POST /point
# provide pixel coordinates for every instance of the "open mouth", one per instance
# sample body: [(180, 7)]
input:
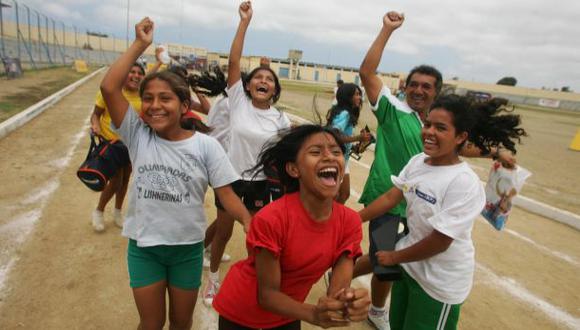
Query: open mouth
[(329, 176), (263, 90), (429, 140)]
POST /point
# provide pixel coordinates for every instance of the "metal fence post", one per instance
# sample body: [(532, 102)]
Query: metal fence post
[(2, 47), (17, 27)]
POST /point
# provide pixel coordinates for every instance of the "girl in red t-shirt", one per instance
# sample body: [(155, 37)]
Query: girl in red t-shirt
[(294, 240)]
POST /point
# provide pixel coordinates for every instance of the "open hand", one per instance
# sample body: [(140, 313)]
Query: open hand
[(144, 31), (246, 11), (158, 51), (393, 20)]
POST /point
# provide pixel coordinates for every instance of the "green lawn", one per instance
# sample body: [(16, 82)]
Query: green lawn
[(35, 85)]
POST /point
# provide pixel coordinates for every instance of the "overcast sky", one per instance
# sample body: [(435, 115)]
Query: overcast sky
[(536, 41)]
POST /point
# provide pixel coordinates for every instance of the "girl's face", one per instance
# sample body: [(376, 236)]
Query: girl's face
[(134, 78), (440, 139), (161, 108), (357, 99), (319, 166), (262, 87)]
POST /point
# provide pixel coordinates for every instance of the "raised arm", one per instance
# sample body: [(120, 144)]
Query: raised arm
[(234, 71), (112, 84), (370, 80), (158, 62)]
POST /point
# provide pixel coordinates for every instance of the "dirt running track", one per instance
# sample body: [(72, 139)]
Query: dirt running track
[(56, 273)]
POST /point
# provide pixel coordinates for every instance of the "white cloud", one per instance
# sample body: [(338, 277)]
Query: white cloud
[(534, 40)]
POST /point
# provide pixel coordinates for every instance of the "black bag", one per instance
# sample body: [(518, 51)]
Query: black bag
[(103, 160)]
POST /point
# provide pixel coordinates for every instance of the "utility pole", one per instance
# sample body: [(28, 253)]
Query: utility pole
[(127, 39)]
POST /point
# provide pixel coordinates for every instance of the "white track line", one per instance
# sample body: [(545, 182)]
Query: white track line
[(24, 223), (557, 254), (516, 290)]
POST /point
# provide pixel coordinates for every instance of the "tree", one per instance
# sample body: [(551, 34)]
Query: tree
[(566, 89), (508, 81)]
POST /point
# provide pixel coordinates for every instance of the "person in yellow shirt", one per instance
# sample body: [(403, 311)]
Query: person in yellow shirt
[(101, 125)]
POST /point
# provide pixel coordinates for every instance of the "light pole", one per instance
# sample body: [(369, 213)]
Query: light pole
[(127, 39)]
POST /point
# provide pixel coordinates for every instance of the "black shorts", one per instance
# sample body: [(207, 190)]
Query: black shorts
[(254, 194), (225, 324), (377, 222)]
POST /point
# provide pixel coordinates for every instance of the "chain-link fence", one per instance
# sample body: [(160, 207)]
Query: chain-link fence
[(35, 40)]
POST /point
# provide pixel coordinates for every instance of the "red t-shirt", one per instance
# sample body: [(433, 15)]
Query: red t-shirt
[(305, 248)]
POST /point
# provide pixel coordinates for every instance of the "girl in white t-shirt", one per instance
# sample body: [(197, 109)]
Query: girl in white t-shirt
[(172, 167), (253, 122), (444, 197)]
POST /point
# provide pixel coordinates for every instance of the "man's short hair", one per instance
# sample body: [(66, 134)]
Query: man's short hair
[(428, 71)]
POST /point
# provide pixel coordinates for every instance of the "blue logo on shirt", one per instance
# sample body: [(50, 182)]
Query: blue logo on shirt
[(424, 196)]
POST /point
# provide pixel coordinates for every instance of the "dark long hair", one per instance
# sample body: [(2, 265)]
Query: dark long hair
[(344, 96), (211, 83), (178, 84), (276, 154), (483, 123)]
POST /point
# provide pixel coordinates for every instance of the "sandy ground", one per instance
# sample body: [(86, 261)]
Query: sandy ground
[(56, 273)]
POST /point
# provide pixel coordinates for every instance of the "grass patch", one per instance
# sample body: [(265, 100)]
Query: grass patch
[(305, 87), (33, 87), (537, 108)]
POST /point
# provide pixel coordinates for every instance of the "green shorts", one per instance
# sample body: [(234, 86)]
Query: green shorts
[(180, 265), (413, 309)]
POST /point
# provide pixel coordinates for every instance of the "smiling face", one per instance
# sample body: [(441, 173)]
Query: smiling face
[(440, 138), (261, 87), (421, 92), (134, 78), (319, 166), (161, 108)]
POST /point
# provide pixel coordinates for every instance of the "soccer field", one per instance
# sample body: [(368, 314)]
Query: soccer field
[(56, 273)]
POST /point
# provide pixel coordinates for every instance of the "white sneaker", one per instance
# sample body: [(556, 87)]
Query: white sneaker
[(207, 257), (98, 221), (379, 322), (211, 290), (118, 218)]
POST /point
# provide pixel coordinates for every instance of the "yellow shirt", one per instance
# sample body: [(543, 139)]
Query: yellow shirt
[(105, 120)]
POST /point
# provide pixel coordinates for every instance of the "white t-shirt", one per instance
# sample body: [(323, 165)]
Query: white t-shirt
[(170, 179), (218, 119), (447, 199), (250, 129)]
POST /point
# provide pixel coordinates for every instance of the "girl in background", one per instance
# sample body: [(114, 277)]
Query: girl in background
[(444, 197), (294, 240), (101, 126), (344, 117), (253, 122), (173, 166)]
